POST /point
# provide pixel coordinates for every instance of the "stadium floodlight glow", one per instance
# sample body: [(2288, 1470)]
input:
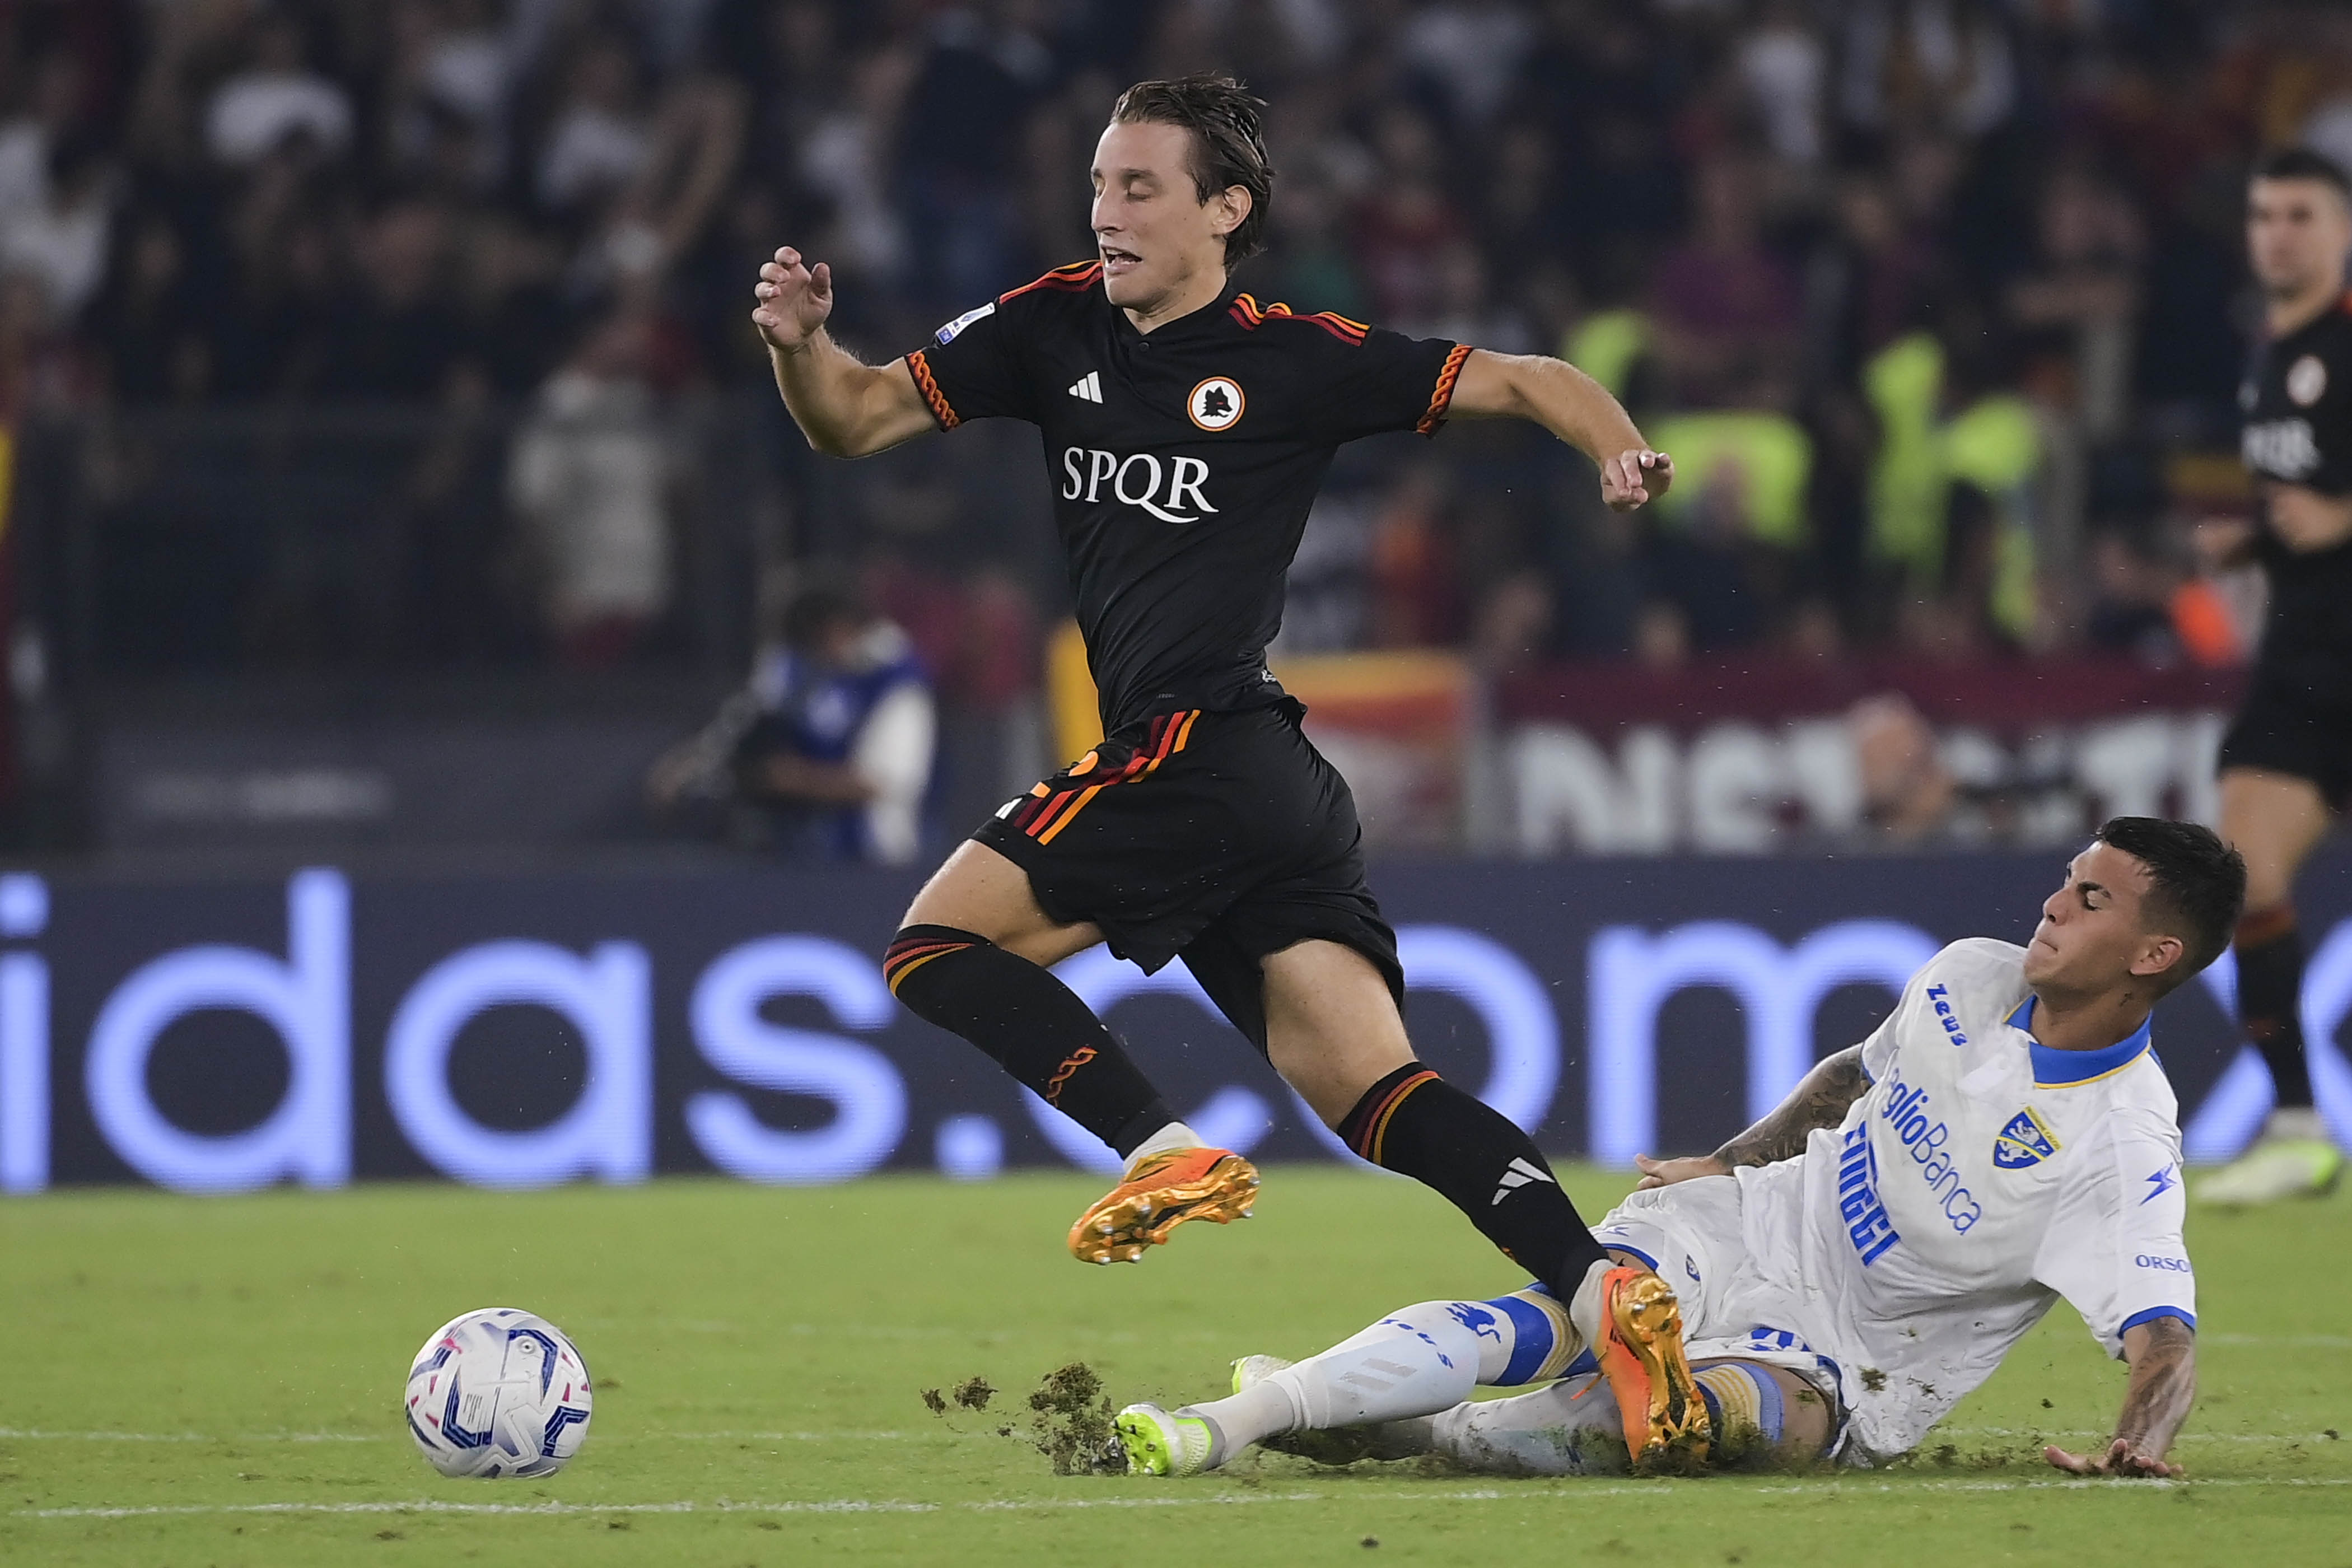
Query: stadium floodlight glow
[(1630, 973), (868, 1097), (607, 996), (305, 996)]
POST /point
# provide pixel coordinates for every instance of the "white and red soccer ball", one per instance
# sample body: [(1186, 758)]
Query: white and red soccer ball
[(497, 1391)]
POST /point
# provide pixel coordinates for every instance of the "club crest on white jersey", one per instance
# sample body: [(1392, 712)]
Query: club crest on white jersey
[(2025, 1140)]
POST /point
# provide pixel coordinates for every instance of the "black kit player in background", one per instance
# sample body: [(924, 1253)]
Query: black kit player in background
[(1186, 430), (2286, 761)]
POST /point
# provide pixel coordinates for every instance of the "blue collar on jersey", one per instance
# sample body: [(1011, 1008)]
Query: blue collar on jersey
[(2054, 1068)]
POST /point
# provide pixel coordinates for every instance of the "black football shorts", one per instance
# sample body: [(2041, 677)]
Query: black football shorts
[(1217, 837), (2280, 729)]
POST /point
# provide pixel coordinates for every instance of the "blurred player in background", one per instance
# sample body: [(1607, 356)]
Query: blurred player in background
[(1858, 1261), (2286, 761), (1187, 428)]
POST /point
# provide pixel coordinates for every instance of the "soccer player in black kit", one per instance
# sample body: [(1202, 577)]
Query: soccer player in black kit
[(2286, 761), (1186, 429)]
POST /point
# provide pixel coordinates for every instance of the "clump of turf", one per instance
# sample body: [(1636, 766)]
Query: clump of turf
[(1070, 1422), (973, 1393)]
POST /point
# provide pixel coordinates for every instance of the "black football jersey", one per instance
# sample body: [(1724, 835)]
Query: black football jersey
[(2297, 399), (1183, 462)]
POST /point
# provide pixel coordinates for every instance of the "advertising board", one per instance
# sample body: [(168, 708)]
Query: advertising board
[(529, 1029)]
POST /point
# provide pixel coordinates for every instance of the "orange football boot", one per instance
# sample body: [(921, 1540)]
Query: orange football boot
[(1641, 1360), (1159, 1194)]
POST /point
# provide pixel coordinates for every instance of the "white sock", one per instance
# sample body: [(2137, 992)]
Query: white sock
[(2298, 1121), (1416, 1361), (1167, 1140), (1584, 1307), (1570, 1429)]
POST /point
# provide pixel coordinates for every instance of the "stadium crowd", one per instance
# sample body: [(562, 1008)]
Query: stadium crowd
[(1929, 297)]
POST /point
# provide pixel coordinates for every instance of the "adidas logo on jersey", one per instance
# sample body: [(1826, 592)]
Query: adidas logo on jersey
[(1519, 1175), (1089, 387)]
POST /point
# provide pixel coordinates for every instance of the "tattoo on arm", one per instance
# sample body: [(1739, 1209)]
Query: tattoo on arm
[(2163, 1384), (1821, 1101)]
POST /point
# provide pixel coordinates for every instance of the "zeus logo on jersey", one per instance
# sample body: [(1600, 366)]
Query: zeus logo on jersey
[(1136, 481), (2026, 1140), (2283, 447), (1945, 1016), (1905, 1112)]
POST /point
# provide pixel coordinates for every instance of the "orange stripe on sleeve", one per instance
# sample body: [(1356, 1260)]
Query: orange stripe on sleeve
[(1442, 397), (928, 385)]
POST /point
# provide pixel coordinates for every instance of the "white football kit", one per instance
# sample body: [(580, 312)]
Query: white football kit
[(1981, 1177)]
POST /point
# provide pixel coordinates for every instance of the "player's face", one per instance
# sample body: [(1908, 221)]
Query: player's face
[(1157, 238), (2298, 235), (2090, 936)]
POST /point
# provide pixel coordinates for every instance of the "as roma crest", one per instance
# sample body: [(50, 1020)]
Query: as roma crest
[(1216, 404)]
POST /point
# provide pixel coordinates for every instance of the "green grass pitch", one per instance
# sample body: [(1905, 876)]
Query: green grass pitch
[(193, 1381)]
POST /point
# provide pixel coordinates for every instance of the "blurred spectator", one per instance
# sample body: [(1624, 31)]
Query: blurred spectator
[(598, 139), (60, 237), (1472, 49), (51, 110), (826, 752), (590, 477), (403, 336), (1907, 791), (1727, 306), (1785, 67), (1405, 224), (2132, 608), (276, 98), (2084, 291)]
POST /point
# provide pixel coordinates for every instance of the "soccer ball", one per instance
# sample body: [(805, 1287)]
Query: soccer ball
[(497, 1391)]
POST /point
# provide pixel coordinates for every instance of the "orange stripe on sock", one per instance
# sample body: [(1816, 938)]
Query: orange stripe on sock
[(898, 957), (898, 976), (1389, 1109)]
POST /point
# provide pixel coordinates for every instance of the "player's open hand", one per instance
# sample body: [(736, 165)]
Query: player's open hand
[(794, 299), (1666, 1173), (1630, 478), (2119, 1460)]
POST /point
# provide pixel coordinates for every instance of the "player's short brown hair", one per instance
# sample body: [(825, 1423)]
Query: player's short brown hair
[(2196, 885), (1228, 144)]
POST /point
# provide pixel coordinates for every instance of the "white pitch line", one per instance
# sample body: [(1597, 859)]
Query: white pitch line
[(1576, 1493)]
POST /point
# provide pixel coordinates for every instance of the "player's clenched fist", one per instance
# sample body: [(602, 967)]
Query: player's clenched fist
[(794, 301), (1629, 478)]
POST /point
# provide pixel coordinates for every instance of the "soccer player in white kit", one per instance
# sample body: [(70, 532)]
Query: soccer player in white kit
[(1850, 1267)]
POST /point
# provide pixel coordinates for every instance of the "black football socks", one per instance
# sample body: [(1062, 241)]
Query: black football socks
[(2270, 991), (1417, 1124), (1033, 1024)]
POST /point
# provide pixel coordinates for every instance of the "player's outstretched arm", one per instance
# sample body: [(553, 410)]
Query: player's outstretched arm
[(1572, 407), (845, 408), (1819, 1100), (2163, 1356)]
